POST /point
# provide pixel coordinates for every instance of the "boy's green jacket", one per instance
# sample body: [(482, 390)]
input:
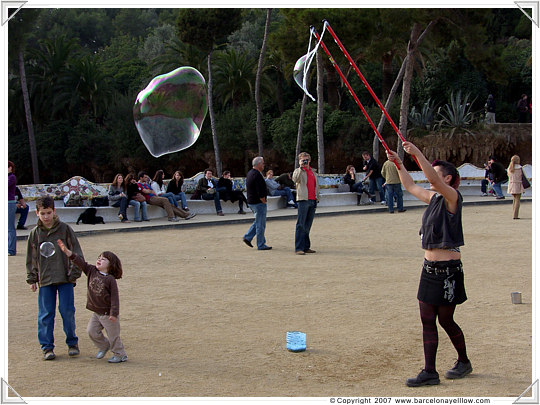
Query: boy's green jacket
[(56, 269)]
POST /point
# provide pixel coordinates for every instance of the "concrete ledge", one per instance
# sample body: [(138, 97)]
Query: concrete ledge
[(110, 214), (330, 197)]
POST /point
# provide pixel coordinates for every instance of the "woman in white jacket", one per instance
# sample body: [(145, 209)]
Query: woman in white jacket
[(160, 189)]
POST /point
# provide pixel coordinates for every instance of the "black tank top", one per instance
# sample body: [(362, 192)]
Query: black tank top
[(440, 228)]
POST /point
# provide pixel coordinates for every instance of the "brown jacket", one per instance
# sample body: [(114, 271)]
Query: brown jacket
[(102, 297)]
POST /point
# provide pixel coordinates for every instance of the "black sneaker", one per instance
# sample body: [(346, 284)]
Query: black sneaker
[(459, 370), (424, 378), (74, 350)]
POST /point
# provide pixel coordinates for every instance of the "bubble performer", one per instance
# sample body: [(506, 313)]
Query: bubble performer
[(442, 285)]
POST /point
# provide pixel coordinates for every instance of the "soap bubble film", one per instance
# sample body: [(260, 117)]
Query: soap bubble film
[(301, 69), (46, 249), (170, 111)]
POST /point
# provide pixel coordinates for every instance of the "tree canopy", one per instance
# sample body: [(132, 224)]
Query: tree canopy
[(85, 68)]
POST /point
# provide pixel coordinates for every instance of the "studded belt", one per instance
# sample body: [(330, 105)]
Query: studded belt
[(442, 270)]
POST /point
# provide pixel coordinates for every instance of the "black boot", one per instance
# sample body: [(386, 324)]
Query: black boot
[(424, 378)]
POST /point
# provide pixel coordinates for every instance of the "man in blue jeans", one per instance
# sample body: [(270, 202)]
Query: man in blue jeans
[(373, 174), (499, 176), (256, 198), (307, 196)]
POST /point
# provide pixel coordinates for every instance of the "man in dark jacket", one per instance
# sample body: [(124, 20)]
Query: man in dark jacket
[(499, 176), (256, 198)]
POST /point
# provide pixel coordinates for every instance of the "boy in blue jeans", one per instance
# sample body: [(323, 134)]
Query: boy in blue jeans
[(55, 274)]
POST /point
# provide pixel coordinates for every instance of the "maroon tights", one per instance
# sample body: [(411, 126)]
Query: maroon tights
[(429, 314)]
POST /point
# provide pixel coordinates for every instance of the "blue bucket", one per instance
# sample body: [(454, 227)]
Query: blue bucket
[(296, 341)]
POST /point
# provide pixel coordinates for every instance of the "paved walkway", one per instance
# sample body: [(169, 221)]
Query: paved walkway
[(286, 213)]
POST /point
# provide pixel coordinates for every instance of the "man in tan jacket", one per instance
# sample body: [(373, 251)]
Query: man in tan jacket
[(307, 196)]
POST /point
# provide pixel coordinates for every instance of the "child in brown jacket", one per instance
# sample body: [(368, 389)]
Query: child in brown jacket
[(103, 300)]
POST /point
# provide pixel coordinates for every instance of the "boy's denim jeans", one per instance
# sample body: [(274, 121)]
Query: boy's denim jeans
[(47, 312)]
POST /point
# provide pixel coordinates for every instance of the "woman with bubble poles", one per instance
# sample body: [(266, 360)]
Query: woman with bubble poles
[(54, 274), (441, 283)]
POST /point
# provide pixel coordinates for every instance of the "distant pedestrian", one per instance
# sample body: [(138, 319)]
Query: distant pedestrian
[(12, 209), (523, 108), (256, 198), (392, 186), (515, 186), (490, 110), (499, 177), (373, 174)]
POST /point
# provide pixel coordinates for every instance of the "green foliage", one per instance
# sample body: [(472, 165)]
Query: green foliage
[(456, 114), (207, 27), (87, 147), (120, 61), (85, 67), (234, 76), (350, 130), (423, 118)]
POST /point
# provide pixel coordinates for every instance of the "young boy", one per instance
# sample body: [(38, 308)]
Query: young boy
[(48, 267)]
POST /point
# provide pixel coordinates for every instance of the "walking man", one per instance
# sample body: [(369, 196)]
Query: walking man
[(256, 198)]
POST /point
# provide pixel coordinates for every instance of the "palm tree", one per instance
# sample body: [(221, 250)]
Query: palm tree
[(90, 86), (178, 53), (235, 76), (51, 91), (19, 28)]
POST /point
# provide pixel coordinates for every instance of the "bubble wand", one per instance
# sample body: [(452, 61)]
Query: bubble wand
[(368, 87), (351, 91)]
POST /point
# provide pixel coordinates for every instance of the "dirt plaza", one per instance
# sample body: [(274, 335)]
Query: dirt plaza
[(203, 315)]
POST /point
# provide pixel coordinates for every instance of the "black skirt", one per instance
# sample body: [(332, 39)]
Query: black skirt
[(442, 287)]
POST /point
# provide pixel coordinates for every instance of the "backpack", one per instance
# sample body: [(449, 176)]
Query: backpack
[(100, 201), (73, 200)]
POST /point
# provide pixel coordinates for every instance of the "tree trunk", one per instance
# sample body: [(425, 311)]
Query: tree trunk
[(387, 74), (30, 126), (212, 117), (320, 112), (406, 91), (300, 129), (258, 83), (393, 93), (332, 87)]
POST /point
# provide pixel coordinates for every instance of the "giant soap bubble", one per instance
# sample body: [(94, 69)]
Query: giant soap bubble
[(170, 111), (301, 69)]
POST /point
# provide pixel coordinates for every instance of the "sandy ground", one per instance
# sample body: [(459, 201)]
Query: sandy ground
[(211, 314)]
